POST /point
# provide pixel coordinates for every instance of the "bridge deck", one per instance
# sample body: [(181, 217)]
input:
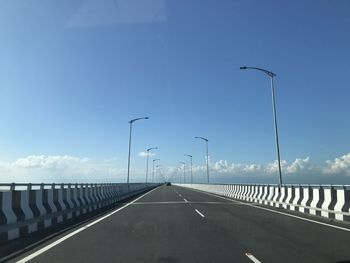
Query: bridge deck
[(173, 224)]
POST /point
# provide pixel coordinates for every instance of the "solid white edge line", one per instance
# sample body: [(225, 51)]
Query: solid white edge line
[(42, 250), (199, 213), (277, 212), (252, 258)]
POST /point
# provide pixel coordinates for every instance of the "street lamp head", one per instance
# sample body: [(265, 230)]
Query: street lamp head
[(143, 118), (156, 160), (271, 74), (267, 72), (188, 155), (152, 148), (205, 139)]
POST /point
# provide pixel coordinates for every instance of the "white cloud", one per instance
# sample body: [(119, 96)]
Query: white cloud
[(56, 168), (300, 165), (340, 165), (45, 161), (65, 168), (144, 154), (220, 166), (224, 167), (272, 168), (252, 168)]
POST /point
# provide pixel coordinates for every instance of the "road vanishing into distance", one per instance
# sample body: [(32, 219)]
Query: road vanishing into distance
[(174, 224)]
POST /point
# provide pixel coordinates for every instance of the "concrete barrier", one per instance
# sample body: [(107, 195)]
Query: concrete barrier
[(330, 201), (28, 210)]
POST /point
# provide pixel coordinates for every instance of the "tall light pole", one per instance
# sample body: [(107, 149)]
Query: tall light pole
[(184, 166), (147, 151), (131, 122), (206, 143), (191, 167), (272, 75), (154, 160)]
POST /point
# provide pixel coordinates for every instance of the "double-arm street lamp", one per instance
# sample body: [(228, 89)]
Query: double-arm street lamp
[(154, 160), (131, 122), (272, 75), (147, 152), (206, 143), (191, 166)]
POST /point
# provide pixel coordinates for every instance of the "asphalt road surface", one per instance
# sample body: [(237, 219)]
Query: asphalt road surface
[(174, 224)]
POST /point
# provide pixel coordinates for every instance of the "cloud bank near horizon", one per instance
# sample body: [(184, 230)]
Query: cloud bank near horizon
[(65, 168)]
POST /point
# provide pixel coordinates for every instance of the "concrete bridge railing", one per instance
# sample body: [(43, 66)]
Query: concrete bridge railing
[(28, 208), (321, 200)]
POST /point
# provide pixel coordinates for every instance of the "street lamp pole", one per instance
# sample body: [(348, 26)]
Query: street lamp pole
[(191, 167), (131, 122), (206, 143), (147, 152), (272, 75), (153, 169)]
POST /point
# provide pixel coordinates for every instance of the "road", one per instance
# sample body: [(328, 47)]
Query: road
[(174, 224)]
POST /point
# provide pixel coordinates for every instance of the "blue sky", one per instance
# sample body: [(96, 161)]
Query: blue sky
[(73, 73)]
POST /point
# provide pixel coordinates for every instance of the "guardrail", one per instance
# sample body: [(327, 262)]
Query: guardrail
[(28, 208), (35, 186), (330, 201)]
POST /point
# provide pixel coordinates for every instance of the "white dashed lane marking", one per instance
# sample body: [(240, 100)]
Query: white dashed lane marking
[(252, 258), (199, 213), (277, 212)]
